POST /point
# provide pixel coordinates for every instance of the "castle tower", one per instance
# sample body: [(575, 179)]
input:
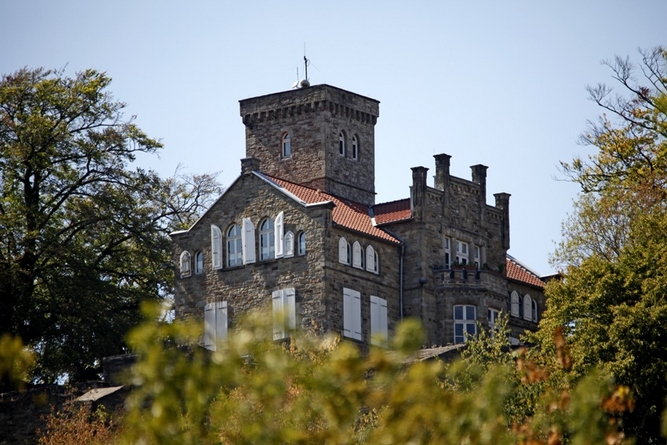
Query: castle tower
[(319, 136)]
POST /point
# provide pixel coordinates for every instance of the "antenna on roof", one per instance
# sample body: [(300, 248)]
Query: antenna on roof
[(305, 82)]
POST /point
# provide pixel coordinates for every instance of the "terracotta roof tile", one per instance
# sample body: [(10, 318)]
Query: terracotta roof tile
[(518, 272), (392, 211), (351, 215)]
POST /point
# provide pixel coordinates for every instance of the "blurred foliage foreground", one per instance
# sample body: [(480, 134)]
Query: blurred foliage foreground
[(252, 390)]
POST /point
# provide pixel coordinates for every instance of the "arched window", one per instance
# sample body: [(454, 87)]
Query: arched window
[(302, 243), (372, 264), (357, 256), (527, 307), (355, 147), (286, 145), (535, 310), (515, 308), (234, 246), (341, 143), (216, 247), (185, 264), (343, 251), (199, 262), (289, 244), (267, 240)]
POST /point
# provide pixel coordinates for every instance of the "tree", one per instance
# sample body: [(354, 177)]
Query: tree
[(610, 302), (82, 236)]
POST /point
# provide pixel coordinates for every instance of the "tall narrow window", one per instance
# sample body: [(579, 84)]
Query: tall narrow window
[(267, 240), (343, 251), (355, 147), (371, 260), (234, 246), (286, 145), (351, 314), (448, 252), (465, 317), (515, 304), (379, 331), (248, 241), (215, 324), (185, 264), (284, 312), (534, 310), (527, 308), (341, 143), (199, 262), (216, 247), (493, 316), (302, 243), (289, 244), (477, 255), (461, 252), (279, 235), (356, 255)]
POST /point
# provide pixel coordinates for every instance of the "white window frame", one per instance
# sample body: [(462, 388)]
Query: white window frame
[(357, 260), (279, 235), (355, 147), (289, 244), (216, 247), (199, 262), (527, 307), (267, 240), (283, 302), (352, 314), (477, 256), (185, 264), (468, 324), (248, 241), (379, 326), (215, 324), (448, 252), (235, 246), (341, 143), (286, 145), (462, 252), (301, 243), (515, 304), (372, 263), (343, 251)]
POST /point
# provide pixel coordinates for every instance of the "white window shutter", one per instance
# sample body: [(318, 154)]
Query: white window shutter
[(216, 247), (289, 305), (248, 241), (527, 308), (209, 326), (289, 244), (379, 331), (185, 264), (351, 314), (278, 315), (342, 250), (515, 304), (356, 254), (279, 235), (370, 259), (221, 321)]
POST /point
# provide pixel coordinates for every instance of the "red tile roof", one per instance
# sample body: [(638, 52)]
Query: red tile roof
[(392, 211), (518, 272), (351, 215)]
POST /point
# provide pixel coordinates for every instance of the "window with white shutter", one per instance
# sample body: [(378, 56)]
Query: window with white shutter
[(289, 244), (527, 308), (216, 247), (379, 329), (248, 240), (343, 251), (234, 246), (185, 264), (351, 314), (515, 301), (372, 264), (215, 324), (279, 235), (284, 312), (356, 255)]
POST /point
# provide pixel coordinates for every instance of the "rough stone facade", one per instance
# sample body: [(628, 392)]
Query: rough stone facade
[(326, 195)]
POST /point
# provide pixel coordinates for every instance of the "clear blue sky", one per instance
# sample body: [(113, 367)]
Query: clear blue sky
[(499, 83)]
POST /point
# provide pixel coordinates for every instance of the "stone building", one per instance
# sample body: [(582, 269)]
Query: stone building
[(299, 231)]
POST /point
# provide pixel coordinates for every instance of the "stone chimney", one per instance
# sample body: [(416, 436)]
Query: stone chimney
[(249, 165), (442, 171), (503, 203), (418, 192)]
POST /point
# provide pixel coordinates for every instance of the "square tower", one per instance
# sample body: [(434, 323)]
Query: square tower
[(318, 136)]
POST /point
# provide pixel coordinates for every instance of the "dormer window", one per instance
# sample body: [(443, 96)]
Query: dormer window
[(355, 147), (286, 145), (341, 143)]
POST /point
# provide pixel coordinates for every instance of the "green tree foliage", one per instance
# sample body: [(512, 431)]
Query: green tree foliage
[(611, 300), (82, 236), (253, 390)]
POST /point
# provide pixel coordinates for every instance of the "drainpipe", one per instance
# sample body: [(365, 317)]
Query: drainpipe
[(400, 280)]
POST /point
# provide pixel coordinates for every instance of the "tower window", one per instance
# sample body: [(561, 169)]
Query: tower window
[(465, 322), (355, 147), (341, 143), (286, 145)]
